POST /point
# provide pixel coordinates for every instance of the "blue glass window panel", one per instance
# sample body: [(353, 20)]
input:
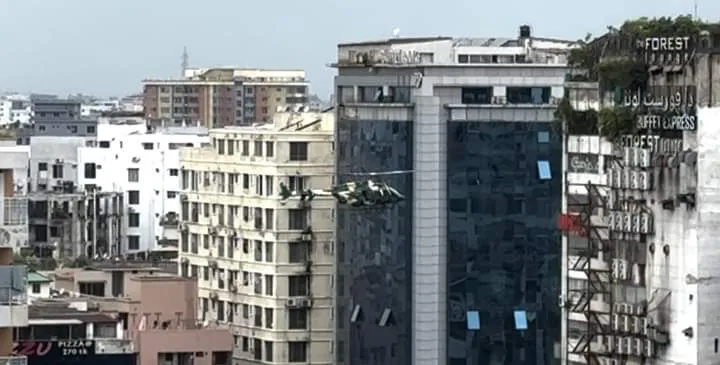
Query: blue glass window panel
[(544, 170), (473, 320), (521, 320), (543, 137)]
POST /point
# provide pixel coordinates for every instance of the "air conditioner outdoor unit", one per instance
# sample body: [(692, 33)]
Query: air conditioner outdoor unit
[(627, 324), (643, 157), (618, 307), (635, 226), (637, 347), (643, 325), (616, 320), (292, 303), (627, 344), (629, 156), (649, 348), (646, 222), (622, 274), (627, 222)]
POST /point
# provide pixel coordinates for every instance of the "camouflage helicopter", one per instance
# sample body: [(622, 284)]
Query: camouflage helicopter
[(365, 193)]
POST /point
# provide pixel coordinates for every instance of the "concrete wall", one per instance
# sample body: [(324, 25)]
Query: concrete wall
[(50, 149)]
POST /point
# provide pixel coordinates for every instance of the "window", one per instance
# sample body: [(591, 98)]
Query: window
[(297, 351), (134, 197), (463, 58), (258, 149), (269, 149), (245, 148), (36, 289), (147, 146), (90, 129), (297, 318), (104, 144), (134, 220), (245, 344), (297, 285), (543, 137), (133, 175), (258, 312), (42, 166), (297, 219), (544, 170), (220, 146), (57, 171), (473, 320), (296, 183), (257, 349), (298, 252), (133, 242), (528, 95), (477, 95), (268, 351), (172, 194), (269, 251), (298, 151), (173, 172), (90, 170), (269, 283), (269, 317), (246, 181), (269, 218)]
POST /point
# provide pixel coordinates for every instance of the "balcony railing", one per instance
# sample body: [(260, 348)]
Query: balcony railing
[(13, 211), (13, 285), (13, 360)]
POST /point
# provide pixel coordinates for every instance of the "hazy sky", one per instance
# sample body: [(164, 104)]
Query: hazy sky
[(106, 47)]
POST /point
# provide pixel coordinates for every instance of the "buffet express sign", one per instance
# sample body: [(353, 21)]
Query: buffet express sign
[(663, 108)]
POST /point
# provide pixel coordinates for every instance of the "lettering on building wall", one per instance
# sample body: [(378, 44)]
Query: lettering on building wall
[(583, 163), (663, 108), (653, 143), (666, 51), (385, 57)]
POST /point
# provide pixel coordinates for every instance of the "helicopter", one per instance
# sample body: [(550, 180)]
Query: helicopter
[(364, 193)]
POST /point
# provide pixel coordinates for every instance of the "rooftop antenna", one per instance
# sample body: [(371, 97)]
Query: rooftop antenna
[(185, 61), (396, 33), (695, 9)]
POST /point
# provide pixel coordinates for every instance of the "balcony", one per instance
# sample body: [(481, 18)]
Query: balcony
[(13, 211), (13, 296), (13, 360), (169, 220)]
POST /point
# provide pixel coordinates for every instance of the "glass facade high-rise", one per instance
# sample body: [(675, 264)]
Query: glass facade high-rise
[(503, 251), (373, 246), (466, 271)]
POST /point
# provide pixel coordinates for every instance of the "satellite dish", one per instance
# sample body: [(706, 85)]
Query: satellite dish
[(396, 32)]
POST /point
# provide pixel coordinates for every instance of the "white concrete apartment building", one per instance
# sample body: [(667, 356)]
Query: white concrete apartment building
[(15, 109), (144, 165), (264, 268)]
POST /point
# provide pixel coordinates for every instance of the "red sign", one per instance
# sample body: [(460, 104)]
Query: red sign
[(571, 223), (32, 348)]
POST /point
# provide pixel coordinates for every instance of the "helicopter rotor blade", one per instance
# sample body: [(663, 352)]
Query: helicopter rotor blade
[(382, 173)]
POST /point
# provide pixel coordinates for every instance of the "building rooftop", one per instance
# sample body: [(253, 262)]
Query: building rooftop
[(52, 309), (37, 278)]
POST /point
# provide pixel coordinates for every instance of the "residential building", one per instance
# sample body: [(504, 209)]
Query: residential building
[(467, 269), (219, 97), (63, 222), (143, 164), (641, 231), (264, 267), (15, 110), (157, 311), (14, 212), (60, 331), (38, 285), (13, 300)]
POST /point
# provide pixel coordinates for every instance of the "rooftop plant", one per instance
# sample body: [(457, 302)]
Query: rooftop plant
[(619, 72)]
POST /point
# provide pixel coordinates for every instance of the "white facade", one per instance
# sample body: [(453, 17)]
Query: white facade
[(15, 111), (145, 166), (264, 268)]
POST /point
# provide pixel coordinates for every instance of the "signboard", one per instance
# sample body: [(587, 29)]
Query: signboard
[(653, 143), (54, 348), (667, 51), (384, 57), (663, 108), (583, 163)]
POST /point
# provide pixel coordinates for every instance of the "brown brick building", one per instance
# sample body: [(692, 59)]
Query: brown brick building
[(219, 97)]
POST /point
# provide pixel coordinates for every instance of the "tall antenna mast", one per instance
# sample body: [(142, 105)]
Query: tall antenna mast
[(185, 61), (695, 9)]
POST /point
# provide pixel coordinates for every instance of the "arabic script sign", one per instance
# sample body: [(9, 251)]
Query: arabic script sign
[(663, 108), (583, 163)]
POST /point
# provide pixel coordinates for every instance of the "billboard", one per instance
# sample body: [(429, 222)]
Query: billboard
[(70, 352)]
